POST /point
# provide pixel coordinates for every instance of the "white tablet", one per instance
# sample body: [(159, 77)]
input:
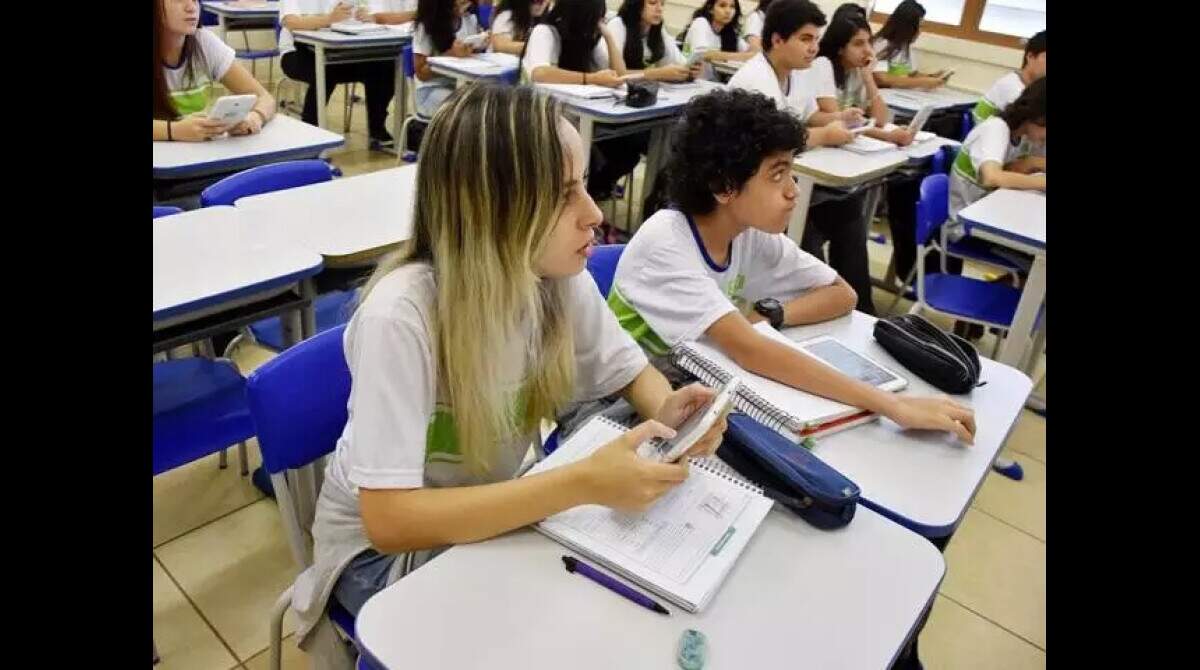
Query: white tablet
[(836, 355), (669, 451), (919, 119), (231, 109)]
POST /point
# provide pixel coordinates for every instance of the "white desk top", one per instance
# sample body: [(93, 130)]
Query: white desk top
[(208, 256), (913, 99), (340, 219), (395, 34), (923, 150), (1011, 214), (479, 66), (927, 478), (797, 597), (284, 138), (243, 9), (831, 166), (671, 99)]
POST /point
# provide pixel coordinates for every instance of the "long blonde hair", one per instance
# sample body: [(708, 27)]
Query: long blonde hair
[(490, 184)]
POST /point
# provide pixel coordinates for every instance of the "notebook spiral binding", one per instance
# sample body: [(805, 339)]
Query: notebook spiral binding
[(717, 467), (749, 402)]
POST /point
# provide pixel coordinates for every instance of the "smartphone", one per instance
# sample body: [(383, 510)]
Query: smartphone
[(947, 74), (670, 451), (231, 109)]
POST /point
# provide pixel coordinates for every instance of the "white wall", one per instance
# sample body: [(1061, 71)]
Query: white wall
[(976, 65)]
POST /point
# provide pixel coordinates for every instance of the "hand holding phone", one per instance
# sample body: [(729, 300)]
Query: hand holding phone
[(694, 428)]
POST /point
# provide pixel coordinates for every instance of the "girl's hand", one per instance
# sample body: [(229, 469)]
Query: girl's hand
[(935, 414), (851, 116), (901, 136), (607, 78), (341, 12), (672, 73), (460, 49), (930, 82), (196, 129), (684, 402), (615, 476), (363, 14), (250, 125)]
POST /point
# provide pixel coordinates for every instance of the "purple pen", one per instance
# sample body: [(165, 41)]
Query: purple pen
[(577, 566)]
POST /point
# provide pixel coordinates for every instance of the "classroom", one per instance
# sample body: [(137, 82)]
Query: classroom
[(750, 362)]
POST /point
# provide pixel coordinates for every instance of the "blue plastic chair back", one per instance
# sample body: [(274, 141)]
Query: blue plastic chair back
[(265, 179), (485, 16), (199, 408), (165, 210), (410, 68), (298, 401), (933, 207), (603, 265), (968, 122), (207, 18)]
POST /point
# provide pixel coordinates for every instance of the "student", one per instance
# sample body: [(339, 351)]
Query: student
[(781, 72), (483, 325), (1007, 88), (638, 32), (442, 25), (510, 28), (999, 153), (299, 63), (573, 45), (754, 25), (714, 34), (896, 66), (187, 62), (844, 68), (789, 41), (719, 261)]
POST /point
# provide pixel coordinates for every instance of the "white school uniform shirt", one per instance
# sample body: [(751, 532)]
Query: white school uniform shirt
[(754, 24), (700, 38), (400, 435), (852, 93), (671, 53), (212, 60), (990, 141), (668, 290), (287, 42), (901, 63), (757, 75), (544, 47), (1002, 94), (422, 43)]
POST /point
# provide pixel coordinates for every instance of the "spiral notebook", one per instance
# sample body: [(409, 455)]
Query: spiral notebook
[(683, 546), (788, 411)]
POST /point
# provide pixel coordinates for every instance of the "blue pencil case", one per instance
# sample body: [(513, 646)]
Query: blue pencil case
[(788, 473)]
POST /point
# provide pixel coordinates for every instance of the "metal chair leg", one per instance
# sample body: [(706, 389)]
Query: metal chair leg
[(242, 458), (629, 203), (223, 462), (907, 282)]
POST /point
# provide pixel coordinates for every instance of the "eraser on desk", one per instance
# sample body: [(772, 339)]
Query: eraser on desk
[(693, 650)]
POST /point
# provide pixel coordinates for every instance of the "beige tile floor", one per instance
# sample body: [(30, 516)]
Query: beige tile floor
[(220, 558)]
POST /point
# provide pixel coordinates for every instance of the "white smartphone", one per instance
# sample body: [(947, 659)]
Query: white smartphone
[(919, 119), (947, 74), (475, 41), (231, 109), (669, 451)]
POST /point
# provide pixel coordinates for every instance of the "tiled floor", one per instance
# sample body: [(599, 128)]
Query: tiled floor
[(220, 558)]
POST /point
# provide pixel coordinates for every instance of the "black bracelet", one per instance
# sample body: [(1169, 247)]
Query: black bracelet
[(169, 138)]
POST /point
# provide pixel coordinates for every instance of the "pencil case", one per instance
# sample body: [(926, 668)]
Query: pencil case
[(788, 473), (943, 359)]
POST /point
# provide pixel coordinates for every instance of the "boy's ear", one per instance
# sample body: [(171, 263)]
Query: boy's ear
[(724, 198)]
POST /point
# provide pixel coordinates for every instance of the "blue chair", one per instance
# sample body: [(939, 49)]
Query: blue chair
[(485, 16), (255, 55), (199, 409), (968, 122), (165, 210), (332, 309), (966, 299), (407, 153), (265, 179), (969, 247), (603, 265), (298, 403)]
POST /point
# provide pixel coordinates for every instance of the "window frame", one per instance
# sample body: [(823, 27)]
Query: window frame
[(967, 28)]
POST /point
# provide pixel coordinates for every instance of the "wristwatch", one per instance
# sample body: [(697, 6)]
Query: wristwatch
[(772, 309)]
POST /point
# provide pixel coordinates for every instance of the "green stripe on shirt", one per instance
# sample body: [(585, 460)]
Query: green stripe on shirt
[(984, 110), (635, 325)]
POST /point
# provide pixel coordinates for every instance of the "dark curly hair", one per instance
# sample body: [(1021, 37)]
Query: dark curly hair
[(749, 127), (1029, 106)]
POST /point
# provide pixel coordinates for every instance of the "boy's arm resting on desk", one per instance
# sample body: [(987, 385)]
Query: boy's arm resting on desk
[(1027, 165), (991, 175), (816, 305), (394, 18), (886, 80), (294, 22), (401, 520), (765, 357)]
